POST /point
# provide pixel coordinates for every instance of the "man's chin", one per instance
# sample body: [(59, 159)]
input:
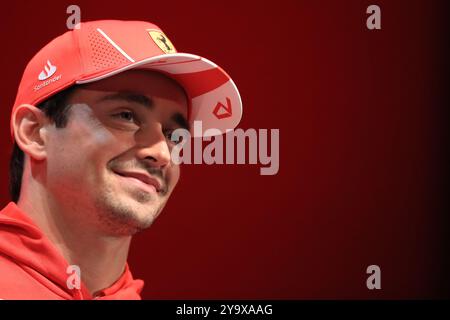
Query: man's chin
[(127, 217)]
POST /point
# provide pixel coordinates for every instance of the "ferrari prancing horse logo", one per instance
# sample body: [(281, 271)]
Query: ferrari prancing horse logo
[(162, 41)]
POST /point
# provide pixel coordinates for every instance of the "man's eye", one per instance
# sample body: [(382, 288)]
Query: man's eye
[(126, 115), (168, 134)]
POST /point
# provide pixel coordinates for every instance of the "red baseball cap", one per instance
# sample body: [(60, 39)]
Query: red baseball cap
[(97, 50)]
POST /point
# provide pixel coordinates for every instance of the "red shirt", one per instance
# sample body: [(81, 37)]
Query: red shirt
[(32, 268)]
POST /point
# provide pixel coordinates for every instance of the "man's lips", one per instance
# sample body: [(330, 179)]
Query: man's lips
[(141, 176)]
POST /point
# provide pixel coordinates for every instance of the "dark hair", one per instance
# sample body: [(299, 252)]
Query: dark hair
[(57, 110)]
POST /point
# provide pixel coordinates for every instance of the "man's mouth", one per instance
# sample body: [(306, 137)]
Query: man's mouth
[(141, 179)]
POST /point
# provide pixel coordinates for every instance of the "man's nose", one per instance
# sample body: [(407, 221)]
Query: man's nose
[(153, 146)]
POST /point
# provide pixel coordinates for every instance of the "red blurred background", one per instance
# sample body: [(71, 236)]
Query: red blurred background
[(362, 170)]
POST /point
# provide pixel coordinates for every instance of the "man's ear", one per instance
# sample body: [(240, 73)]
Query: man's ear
[(29, 131)]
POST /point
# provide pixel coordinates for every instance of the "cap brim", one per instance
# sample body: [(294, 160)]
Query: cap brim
[(214, 98)]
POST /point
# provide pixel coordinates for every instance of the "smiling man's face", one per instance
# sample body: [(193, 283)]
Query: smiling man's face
[(112, 161)]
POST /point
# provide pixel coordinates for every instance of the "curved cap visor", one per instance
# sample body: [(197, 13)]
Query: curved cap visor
[(214, 98)]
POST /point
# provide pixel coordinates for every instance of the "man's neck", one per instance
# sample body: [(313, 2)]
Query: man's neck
[(101, 259)]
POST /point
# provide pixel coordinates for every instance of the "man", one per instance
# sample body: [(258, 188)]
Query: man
[(91, 164)]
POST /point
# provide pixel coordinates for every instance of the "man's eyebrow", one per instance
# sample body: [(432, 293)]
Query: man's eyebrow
[(129, 97), (179, 119)]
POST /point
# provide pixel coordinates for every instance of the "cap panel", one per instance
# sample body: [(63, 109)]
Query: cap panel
[(53, 68), (134, 38), (98, 54), (56, 66)]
